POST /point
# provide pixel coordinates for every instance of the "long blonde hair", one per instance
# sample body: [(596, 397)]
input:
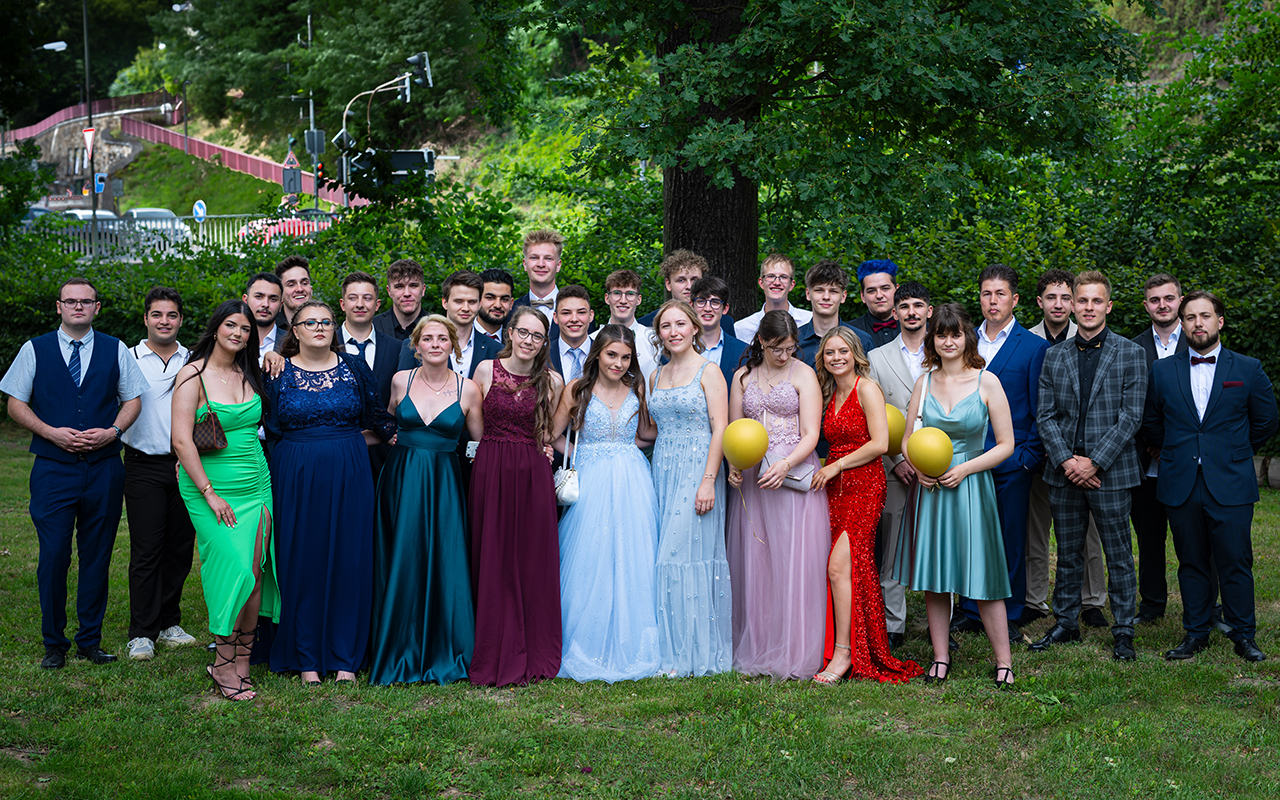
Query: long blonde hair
[(686, 309), (861, 366)]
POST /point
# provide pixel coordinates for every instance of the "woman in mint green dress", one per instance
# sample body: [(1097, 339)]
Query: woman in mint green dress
[(228, 491), (957, 545)]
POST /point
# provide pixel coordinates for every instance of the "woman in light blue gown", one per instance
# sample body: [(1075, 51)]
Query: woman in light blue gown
[(609, 537)]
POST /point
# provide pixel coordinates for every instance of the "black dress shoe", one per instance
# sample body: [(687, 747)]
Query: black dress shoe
[(1030, 615), (54, 658), (952, 644), (1148, 618), (1188, 647), (1015, 633), (1215, 618), (1248, 650), (895, 640), (1094, 618), (1058, 634), (962, 624), (95, 655), (1123, 649)]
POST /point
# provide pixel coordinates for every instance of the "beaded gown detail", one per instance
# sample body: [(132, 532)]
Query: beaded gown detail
[(324, 512), (777, 550), (694, 596), (957, 546), (424, 619), (856, 499), (608, 551), (515, 554)]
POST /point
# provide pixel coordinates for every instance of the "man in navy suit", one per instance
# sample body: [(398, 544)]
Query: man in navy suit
[(826, 286), (710, 297), (680, 270), (359, 302), (460, 295), (571, 340), (1015, 355), (1207, 413)]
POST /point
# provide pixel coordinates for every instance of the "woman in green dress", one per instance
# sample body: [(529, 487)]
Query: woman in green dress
[(228, 491)]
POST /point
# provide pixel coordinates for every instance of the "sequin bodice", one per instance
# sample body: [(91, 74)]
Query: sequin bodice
[(681, 415), (778, 409), (509, 407), (846, 428), (606, 433)]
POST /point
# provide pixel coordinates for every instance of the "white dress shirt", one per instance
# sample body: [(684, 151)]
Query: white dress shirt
[(1166, 350), (567, 360), (462, 366), (745, 329), (915, 361), (267, 344), (369, 350), (987, 348), (551, 298), (152, 431), (1202, 380)]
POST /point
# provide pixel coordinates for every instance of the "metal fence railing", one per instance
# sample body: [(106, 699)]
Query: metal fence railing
[(130, 239)]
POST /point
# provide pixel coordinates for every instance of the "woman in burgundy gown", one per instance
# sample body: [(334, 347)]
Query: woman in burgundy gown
[(515, 545), (858, 431)]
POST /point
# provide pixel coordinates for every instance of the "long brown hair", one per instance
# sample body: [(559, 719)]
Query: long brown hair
[(775, 326), (861, 366), (290, 346), (952, 319), (540, 377), (609, 334)]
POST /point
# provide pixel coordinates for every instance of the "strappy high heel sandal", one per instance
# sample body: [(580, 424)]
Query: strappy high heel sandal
[(243, 648), (234, 693), (1001, 683), (932, 677), (827, 678)]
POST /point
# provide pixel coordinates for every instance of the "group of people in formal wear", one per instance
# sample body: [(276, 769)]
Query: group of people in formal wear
[(376, 491)]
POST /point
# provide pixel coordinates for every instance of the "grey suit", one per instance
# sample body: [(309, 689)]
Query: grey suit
[(1111, 416), (889, 369)]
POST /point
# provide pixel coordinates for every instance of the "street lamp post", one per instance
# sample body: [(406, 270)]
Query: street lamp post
[(88, 97), (186, 139)]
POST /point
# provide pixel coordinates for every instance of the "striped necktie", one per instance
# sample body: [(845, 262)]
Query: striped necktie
[(74, 363)]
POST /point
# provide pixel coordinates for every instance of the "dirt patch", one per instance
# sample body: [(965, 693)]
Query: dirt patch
[(1254, 682), (25, 755), (324, 744)]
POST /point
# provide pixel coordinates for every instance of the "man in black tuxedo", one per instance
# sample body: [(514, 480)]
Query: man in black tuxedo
[(1162, 296), (878, 279), (1207, 413), (359, 303), (405, 287)]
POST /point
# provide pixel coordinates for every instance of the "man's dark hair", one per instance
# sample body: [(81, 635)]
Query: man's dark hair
[(1201, 294), (911, 290), (1051, 276), (404, 268), (463, 277), (289, 262), (162, 293), (827, 273), (359, 277), (494, 275), (269, 277), (708, 287), (1160, 279), (999, 272), (78, 281), (570, 292)]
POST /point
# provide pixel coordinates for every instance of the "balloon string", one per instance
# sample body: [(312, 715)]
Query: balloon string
[(747, 514)]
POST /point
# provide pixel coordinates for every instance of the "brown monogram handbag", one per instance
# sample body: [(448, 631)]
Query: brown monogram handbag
[(207, 434)]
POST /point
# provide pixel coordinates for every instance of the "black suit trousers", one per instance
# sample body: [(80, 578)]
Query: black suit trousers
[(1150, 523), (1207, 534), (161, 540)]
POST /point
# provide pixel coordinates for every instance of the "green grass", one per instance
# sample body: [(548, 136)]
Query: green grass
[(1079, 724), (165, 177)]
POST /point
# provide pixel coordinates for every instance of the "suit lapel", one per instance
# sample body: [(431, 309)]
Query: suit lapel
[(1221, 372), (1105, 358), (1183, 370), (1071, 373), (1010, 344), (898, 364)]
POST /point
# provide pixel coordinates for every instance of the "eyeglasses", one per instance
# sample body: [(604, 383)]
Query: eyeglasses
[(77, 302), (776, 278), (618, 294), (714, 303), (782, 351), (312, 324), (532, 336)]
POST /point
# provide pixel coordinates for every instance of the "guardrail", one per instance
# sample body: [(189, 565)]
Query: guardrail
[(130, 239), (104, 106)]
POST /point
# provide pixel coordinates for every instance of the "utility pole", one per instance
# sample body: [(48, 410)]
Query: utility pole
[(311, 101), (88, 96)]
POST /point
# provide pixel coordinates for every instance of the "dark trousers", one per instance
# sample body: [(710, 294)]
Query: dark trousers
[(1150, 522), (83, 500), (1013, 500), (161, 539), (1207, 534), (1071, 507)]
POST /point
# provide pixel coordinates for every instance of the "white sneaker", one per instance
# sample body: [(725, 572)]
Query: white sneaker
[(142, 649), (175, 636)]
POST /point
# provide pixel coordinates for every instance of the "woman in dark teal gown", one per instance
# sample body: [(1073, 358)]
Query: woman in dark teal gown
[(423, 613)]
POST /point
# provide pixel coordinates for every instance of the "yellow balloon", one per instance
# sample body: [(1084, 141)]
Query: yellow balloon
[(930, 451), (745, 443), (897, 428)]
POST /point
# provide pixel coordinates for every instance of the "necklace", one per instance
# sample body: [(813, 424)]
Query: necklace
[(616, 402), (218, 374), (439, 391)]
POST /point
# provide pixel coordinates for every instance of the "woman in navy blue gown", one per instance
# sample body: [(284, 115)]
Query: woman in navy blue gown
[(318, 407)]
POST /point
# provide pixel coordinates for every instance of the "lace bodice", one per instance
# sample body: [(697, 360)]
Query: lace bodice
[(509, 407), (778, 409), (345, 396), (605, 432)]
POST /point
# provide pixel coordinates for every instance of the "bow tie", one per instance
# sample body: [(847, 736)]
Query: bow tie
[(548, 303), (876, 327), (1082, 345), (1206, 360)]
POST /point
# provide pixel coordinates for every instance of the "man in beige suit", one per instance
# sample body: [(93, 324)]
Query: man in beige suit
[(895, 366), (1055, 294)]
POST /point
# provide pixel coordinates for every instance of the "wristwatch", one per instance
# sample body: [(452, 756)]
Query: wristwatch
[(119, 432)]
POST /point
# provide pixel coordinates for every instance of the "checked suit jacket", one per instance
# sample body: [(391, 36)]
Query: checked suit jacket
[(1112, 415)]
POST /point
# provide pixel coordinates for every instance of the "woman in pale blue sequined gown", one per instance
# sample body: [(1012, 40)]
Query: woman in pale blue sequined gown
[(609, 537), (689, 403)]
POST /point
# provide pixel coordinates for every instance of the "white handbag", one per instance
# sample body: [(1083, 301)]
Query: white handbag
[(566, 478)]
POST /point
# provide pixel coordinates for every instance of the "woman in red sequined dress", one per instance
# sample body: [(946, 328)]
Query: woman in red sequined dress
[(857, 428)]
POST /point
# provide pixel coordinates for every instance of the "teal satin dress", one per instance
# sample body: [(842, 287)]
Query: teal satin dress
[(957, 544), (423, 614)]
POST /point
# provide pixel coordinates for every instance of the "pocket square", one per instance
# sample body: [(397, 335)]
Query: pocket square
[(1231, 384)]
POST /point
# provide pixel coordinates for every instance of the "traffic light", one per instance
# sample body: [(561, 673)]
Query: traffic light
[(421, 68), (319, 171), (402, 91)]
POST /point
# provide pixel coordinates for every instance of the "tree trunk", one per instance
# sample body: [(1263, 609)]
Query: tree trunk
[(722, 225)]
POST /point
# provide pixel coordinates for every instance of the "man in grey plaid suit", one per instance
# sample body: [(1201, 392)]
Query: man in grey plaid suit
[(1092, 390)]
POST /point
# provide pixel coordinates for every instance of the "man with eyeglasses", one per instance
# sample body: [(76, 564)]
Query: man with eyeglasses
[(878, 279), (777, 277), (711, 303), (680, 270), (826, 287), (622, 295), (77, 391)]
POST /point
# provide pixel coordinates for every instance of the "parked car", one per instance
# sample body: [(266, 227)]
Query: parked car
[(160, 226), (301, 222), (108, 228)]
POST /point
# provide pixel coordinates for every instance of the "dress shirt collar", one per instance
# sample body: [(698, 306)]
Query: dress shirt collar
[(1174, 336), (1003, 334), (65, 340)]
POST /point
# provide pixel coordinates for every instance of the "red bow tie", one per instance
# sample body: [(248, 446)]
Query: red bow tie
[(1206, 360), (876, 327)]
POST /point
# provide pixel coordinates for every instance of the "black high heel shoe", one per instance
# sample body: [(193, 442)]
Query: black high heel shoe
[(243, 648), (1002, 684), (234, 693), (933, 677)]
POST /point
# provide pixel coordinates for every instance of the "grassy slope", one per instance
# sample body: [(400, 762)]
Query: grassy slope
[(1079, 726), (165, 177)]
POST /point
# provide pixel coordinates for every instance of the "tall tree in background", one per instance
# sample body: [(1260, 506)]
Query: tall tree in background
[(847, 119)]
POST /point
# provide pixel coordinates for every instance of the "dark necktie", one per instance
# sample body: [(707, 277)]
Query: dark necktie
[(361, 346), (74, 363), (1206, 360), (876, 327)]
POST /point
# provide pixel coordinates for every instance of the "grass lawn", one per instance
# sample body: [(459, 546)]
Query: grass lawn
[(165, 177), (1079, 725)]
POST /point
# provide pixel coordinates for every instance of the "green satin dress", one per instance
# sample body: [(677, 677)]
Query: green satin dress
[(957, 544), (239, 476)]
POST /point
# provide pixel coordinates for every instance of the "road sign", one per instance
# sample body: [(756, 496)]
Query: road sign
[(199, 211), (291, 179), (117, 187), (88, 141), (99, 182), (291, 160), (315, 142)]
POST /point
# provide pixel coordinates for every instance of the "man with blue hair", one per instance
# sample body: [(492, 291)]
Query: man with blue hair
[(879, 280)]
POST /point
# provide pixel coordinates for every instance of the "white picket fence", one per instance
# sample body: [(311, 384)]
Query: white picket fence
[(130, 240)]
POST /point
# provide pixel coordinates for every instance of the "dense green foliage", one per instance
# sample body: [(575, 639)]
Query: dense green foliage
[(22, 182)]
